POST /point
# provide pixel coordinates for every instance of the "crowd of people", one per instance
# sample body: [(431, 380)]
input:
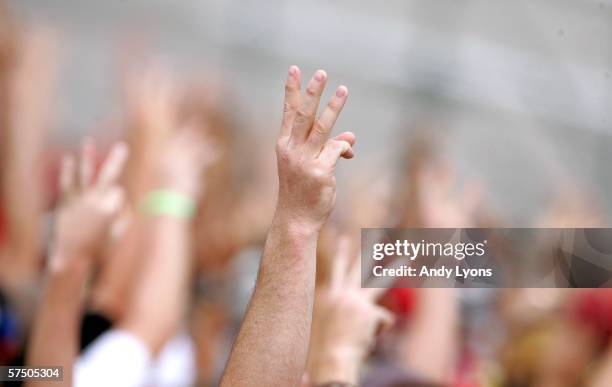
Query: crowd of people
[(165, 258)]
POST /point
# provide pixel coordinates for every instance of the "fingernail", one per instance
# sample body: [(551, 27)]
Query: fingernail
[(319, 75), (341, 91), (293, 71)]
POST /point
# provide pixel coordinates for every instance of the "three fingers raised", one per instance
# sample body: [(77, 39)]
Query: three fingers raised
[(299, 121)]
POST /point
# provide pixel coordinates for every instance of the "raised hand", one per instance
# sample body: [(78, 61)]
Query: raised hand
[(429, 198), (345, 321), (306, 154), (165, 240), (88, 204), (272, 345), (183, 161)]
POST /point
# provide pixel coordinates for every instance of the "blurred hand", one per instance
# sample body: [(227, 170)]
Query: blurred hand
[(439, 206), (151, 103), (306, 155), (183, 162), (88, 205), (345, 322)]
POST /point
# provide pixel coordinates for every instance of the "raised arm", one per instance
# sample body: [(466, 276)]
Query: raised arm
[(161, 292), (272, 345), (150, 116), (83, 222), (26, 83)]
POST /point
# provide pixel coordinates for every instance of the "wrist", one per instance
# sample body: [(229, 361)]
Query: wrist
[(169, 202), (336, 365), (188, 186), (289, 241), (295, 225)]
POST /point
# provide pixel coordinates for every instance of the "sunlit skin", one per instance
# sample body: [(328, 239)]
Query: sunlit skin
[(272, 345)]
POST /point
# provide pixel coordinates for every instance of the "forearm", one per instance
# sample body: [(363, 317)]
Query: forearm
[(272, 345), (56, 331), (23, 206), (116, 276), (29, 92), (161, 291), (430, 345)]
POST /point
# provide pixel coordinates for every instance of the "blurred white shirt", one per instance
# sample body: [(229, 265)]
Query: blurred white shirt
[(118, 358)]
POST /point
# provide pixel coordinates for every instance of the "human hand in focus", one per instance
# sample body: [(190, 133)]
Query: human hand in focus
[(88, 204), (345, 322), (306, 155)]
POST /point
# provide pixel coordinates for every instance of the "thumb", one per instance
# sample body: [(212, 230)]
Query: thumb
[(333, 150)]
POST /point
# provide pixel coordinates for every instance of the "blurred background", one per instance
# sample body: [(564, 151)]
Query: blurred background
[(521, 89), (467, 113)]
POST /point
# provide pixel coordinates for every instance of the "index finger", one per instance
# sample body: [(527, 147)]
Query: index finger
[(292, 100)]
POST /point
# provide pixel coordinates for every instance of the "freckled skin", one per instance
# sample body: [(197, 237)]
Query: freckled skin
[(272, 345)]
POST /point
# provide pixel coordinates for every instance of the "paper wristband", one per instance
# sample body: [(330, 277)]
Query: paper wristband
[(168, 203)]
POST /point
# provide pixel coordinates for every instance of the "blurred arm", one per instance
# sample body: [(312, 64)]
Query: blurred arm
[(161, 292), (55, 339), (150, 116), (429, 345), (25, 117), (82, 225)]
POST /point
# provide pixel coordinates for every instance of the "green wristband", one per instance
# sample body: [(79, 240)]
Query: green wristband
[(167, 202)]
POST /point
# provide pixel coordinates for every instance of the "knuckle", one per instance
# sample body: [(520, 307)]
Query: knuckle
[(301, 116), (288, 107), (283, 157), (334, 106), (319, 128), (311, 91), (281, 147)]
